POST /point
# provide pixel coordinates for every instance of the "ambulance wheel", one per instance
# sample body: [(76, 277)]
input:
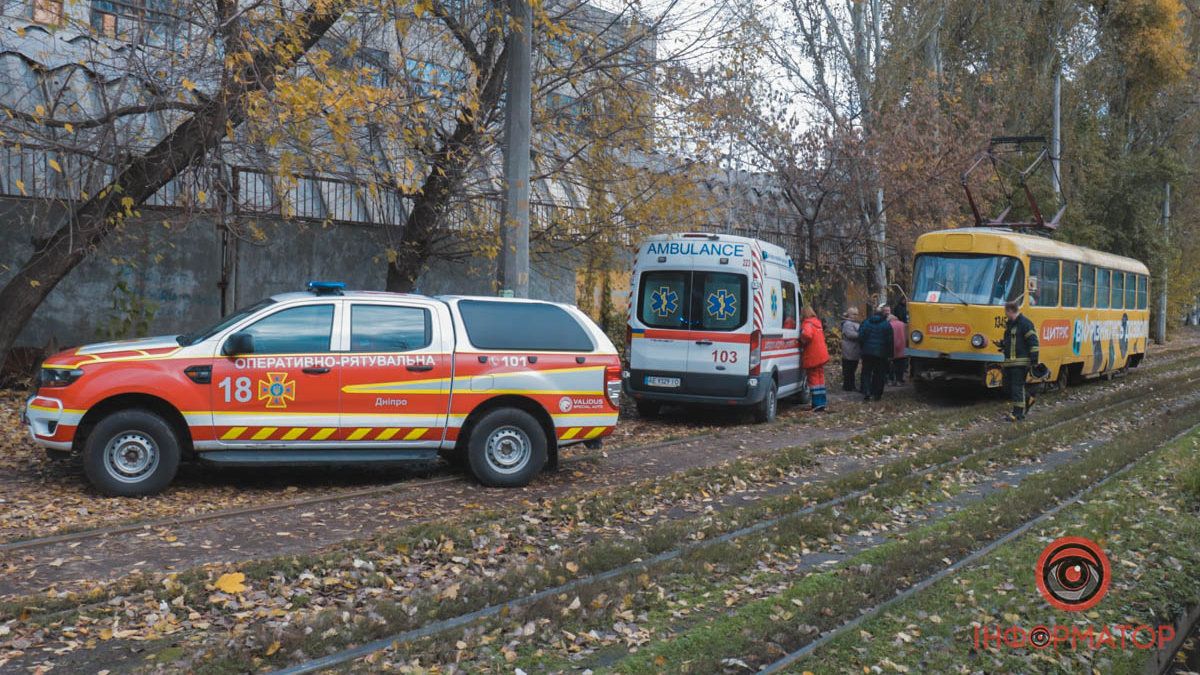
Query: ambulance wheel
[(131, 453), (765, 410), (648, 410), (507, 448)]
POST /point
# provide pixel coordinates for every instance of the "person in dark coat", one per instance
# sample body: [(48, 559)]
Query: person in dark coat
[(1020, 349), (876, 339), (900, 309)]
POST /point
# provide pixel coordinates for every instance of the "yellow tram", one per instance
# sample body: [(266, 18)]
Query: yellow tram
[(1089, 307)]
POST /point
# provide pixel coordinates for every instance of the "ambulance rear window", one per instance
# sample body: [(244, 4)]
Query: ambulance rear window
[(525, 326)]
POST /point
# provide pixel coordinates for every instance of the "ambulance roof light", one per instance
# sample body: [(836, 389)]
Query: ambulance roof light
[(326, 287), (701, 235)]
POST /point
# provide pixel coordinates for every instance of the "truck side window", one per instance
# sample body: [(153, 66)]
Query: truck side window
[(389, 328), (525, 326), (788, 291), (298, 330)]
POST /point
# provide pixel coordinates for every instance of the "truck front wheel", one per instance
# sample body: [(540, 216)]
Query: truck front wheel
[(131, 453), (507, 448)]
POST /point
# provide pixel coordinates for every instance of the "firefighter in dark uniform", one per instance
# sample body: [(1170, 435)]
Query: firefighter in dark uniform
[(1020, 348)]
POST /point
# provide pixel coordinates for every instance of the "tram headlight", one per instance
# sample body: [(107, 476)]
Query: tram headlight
[(978, 341), (917, 336)]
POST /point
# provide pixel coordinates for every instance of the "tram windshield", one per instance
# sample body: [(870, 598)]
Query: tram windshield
[(967, 279)]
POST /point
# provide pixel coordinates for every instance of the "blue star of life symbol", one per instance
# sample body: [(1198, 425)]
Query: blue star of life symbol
[(722, 304), (664, 302), (774, 303)]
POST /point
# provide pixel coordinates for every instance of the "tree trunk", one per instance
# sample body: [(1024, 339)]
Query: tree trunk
[(84, 228), (447, 170)]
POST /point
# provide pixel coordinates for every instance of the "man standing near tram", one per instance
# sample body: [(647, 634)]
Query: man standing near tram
[(1020, 348)]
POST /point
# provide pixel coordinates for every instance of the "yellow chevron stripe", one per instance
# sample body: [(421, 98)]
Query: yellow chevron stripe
[(295, 433), (571, 433), (357, 434), (264, 433), (323, 434), (415, 434), (233, 433), (386, 434), (594, 432)]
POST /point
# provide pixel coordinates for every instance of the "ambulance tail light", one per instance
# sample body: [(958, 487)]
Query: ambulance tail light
[(755, 352), (612, 385)]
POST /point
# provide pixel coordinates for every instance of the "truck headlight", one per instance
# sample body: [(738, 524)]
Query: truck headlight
[(978, 341), (59, 377), (917, 336)]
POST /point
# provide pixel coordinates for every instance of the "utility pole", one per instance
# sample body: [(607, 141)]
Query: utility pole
[(1056, 140), (1161, 327), (518, 115)]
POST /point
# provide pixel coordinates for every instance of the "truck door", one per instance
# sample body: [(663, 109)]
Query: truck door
[(286, 390), (719, 356), (660, 332), (396, 373)]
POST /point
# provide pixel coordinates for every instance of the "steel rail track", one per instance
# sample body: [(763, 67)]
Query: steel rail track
[(443, 625)]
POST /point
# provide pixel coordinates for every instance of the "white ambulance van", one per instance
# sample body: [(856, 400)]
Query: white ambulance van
[(713, 319)]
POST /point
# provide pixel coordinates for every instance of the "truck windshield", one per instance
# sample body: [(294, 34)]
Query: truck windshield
[(967, 278), (205, 333), (692, 300)]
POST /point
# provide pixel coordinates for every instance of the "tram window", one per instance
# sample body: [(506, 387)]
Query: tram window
[(1103, 288), (1141, 292), (1130, 291), (1070, 284), (1087, 287), (1118, 292), (1046, 272)]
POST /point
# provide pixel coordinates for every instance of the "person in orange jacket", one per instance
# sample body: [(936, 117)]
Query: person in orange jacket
[(813, 356)]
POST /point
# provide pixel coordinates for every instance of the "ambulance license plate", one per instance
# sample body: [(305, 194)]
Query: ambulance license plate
[(655, 381)]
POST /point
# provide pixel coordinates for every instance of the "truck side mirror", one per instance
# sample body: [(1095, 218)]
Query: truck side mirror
[(238, 343)]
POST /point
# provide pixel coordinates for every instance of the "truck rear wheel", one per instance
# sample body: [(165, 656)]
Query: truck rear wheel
[(766, 409), (131, 453), (507, 448)]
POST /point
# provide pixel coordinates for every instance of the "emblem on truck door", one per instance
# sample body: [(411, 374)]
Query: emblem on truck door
[(277, 390)]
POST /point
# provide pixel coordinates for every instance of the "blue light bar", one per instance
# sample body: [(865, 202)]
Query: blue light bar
[(326, 287)]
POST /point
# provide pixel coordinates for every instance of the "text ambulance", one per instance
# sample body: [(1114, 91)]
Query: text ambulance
[(713, 319), (326, 377)]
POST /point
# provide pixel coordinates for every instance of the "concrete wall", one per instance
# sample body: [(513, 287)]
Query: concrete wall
[(176, 266)]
